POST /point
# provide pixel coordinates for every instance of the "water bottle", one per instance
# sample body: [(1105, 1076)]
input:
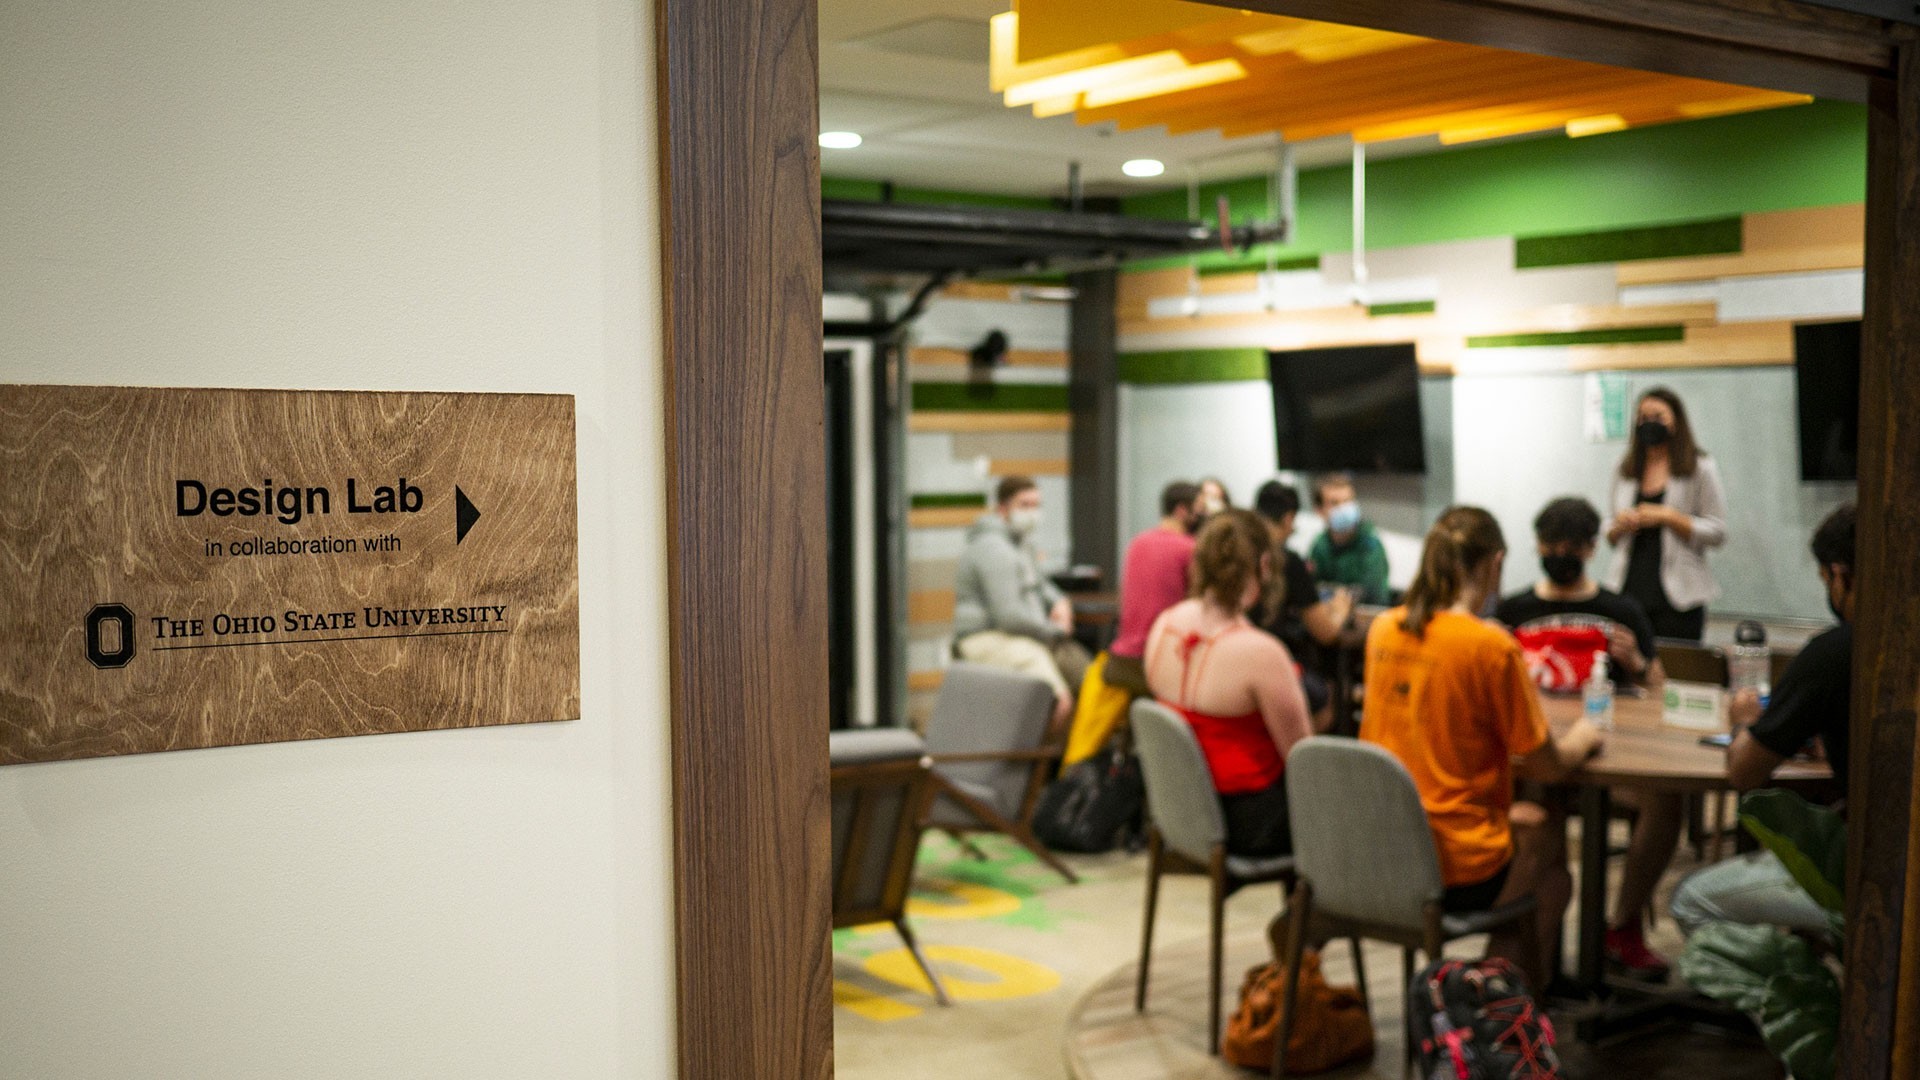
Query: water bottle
[(1597, 698), (1749, 662)]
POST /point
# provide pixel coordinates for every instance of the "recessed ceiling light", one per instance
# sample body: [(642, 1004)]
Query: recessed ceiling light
[(839, 140), (1144, 167)]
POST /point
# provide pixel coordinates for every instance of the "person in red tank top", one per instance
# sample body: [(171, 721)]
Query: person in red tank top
[(1235, 684)]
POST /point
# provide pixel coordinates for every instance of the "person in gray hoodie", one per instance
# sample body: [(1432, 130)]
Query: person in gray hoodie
[(1006, 613)]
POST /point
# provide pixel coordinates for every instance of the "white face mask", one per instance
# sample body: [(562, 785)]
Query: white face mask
[(1023, 522)]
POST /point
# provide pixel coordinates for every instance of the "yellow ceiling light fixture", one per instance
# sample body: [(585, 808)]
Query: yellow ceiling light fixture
[(1194, 67)]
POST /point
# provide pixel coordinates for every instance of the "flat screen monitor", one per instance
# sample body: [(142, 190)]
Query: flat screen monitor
[(1826, 370), (1355, 409)]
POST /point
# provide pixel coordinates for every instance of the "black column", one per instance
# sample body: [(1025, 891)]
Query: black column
[(1093, 391)]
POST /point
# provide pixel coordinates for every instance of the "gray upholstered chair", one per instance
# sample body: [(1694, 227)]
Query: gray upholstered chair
[(1367, 867), (1188, 835), (991, 748), (880, 780)]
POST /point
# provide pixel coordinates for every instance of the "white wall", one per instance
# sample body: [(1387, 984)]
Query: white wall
[(1520, 445), (380, 194)]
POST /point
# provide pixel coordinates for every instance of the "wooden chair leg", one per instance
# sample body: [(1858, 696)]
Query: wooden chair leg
[(1718, 844), (1409, 1051), (1216, 943), (913, 947), (1032, 843), (1299, 913), (1360, 972), (1146, 923)]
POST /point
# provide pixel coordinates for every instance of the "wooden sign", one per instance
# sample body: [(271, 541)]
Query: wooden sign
[(187, 568)]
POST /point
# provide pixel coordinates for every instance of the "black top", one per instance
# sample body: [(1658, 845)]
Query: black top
[(1814, 698), (1643, 560), (1288, 624), (1525, 610)]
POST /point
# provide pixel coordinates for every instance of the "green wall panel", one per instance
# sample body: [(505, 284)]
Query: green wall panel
[(1408, 307), (989, 397), (1621, 335), (1719, 236), (943, 500), (1780, 159), (1193, 366)]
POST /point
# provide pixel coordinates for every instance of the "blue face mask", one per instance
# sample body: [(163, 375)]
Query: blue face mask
[(1344, 518)]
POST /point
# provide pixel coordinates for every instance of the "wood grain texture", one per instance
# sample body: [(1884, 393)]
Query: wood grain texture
[(1773, 44), (1819, 226), (394, 627), (747, 570), (1844, 255), (949, 359), (1027, 466), (976, 422), (943, 517), (1878, 1039), (930, 606)]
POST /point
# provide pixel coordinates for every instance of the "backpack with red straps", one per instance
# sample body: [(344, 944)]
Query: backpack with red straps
[(1474, 1020)]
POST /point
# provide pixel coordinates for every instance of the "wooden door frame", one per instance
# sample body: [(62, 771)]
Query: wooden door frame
[(740, 248)]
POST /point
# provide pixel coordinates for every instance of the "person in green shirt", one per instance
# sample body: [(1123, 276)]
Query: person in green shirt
[(1348, 553)]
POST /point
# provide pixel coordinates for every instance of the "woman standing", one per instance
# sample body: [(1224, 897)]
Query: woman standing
[(1234, 683), (1668, 509)]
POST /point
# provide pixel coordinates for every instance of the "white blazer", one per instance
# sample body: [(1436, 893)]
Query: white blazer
[(1683, 563)]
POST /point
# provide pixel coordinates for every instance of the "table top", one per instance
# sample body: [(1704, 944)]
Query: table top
[(1643, 752)]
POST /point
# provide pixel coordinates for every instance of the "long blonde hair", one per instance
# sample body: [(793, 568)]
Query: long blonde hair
[(1458, 546)]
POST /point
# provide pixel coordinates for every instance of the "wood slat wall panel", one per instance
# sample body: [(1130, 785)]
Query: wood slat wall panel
[(977, 422), (1028, 467), (951, 358), (1850, 255), (1818, 227), (943, 517), (930, 606), (746, 553)]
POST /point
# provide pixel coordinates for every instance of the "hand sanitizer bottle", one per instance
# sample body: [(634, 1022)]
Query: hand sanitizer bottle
[(1598, 699)]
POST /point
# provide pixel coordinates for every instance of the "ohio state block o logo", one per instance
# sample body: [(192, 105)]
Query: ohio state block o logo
[(97, 621)]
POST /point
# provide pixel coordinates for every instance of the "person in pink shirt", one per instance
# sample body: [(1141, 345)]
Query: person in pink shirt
[(1153, 579)]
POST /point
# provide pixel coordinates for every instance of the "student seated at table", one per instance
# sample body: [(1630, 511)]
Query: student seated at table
[(1813, 701), (1349, 553), (1233, 682), (1153, 578), (1554, 619), (1449, 695), (1302, 621)]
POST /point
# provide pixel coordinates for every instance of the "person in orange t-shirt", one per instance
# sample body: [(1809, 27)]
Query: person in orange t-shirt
[(1449, 695)]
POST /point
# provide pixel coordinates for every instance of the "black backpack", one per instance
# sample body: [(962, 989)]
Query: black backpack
[(1094, 805), (1474, 1020)]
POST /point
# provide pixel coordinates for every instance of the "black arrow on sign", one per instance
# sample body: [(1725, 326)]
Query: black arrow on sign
[(464, 515)]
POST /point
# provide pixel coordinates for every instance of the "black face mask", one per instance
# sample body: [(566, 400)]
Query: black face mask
[(1563, 570), (1654, 433)]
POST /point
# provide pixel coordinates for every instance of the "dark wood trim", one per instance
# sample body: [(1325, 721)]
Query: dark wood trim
[(1878, 1038), (1093, 393), (1774, 44), (746, 469)]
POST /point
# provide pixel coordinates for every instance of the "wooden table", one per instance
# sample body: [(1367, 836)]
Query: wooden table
[(1643, 754)]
